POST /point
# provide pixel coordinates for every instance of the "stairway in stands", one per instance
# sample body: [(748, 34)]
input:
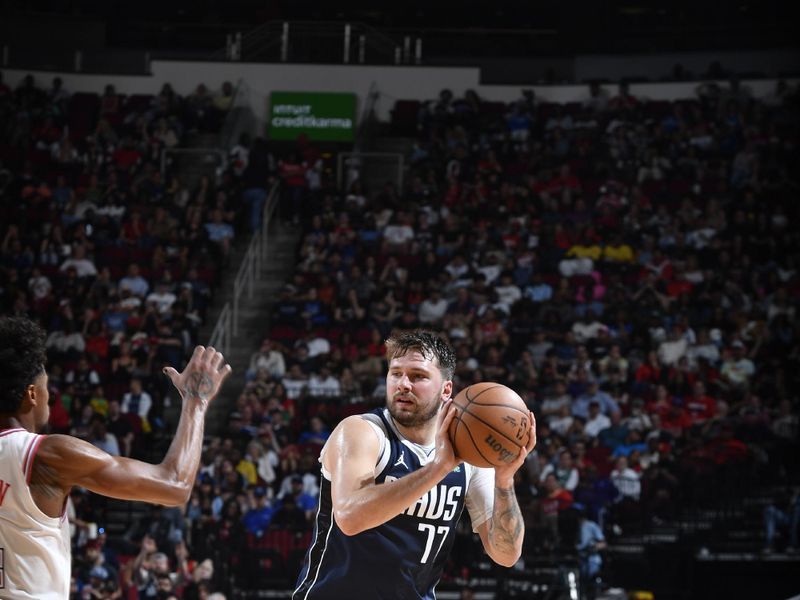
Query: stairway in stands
[(376, 171), (254, 316), (282, 248)]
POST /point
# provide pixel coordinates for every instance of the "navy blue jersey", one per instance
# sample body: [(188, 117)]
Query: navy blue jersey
[(404, 557)]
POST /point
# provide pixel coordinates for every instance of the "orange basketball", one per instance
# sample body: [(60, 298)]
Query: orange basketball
[(491, 424)]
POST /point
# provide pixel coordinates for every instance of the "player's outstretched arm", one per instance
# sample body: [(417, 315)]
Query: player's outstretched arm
[(64, 461), (503, 533), (350, 456)]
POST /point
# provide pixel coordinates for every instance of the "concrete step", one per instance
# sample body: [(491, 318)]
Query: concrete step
[(254, 316)]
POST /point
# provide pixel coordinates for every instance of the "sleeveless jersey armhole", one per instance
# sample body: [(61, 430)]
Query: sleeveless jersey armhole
[(383, 451)]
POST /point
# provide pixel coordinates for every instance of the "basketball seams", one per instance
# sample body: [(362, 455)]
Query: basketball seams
[(465, 409), (477, 448), (486, 389), (511, 406), (491, 426)]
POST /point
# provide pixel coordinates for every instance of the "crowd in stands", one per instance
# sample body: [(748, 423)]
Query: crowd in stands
[(118, 263), (627, 266)]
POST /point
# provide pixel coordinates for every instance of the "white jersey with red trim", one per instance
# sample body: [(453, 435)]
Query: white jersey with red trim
[(35, 557)]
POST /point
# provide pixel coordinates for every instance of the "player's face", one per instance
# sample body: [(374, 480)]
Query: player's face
[(415, 389)]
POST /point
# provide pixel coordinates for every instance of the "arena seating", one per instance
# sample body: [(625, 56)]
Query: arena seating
[(642, 246)]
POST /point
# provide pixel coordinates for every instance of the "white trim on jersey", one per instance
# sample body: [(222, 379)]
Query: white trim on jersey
[(321, 557)]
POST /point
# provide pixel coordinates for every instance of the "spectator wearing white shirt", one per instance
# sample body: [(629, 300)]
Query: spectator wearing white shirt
[(398, 235), (269, 359), (324, 384), (670, 351), (556, 400), (597, 421), (587, 328), (562, 421), (703, 348), (457, 267), (137, 401), (134, 282), (295, 382), (317, 345), (433, 308), (78, 261), (626, 480), (737, 368), (491, 269), (264, 453), (39, 285), (564, 470), (507, 292), (162, 298)]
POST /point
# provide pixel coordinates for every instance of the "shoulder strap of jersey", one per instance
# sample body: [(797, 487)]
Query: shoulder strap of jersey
[(390, 432)]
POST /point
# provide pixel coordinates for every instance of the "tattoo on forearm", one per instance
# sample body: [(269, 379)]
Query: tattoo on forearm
[(507, 525), (199, 385)]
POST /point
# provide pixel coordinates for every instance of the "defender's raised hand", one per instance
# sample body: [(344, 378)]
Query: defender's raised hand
[(203, 376)]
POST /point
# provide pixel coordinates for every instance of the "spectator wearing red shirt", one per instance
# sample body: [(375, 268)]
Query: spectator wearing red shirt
[(565, 180), (553, 504), (650, 370), (127, 155), (134, 228), (292, 172), (700, 405), (676, 419)]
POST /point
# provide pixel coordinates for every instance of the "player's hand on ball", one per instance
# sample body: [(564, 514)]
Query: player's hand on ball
[(445, 454), (203, 375), (504, 475)]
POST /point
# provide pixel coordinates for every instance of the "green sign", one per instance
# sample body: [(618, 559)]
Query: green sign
[(324, 117)]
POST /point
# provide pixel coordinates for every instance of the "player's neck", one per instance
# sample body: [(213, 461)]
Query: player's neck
[(424, 435), (8, 421)]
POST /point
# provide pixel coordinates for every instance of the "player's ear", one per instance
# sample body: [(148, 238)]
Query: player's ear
[(28, 398), (447, 390)]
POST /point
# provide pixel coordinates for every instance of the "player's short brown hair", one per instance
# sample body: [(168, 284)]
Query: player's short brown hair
[(427, 343)]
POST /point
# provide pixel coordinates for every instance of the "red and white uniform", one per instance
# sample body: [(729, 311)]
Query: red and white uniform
[(35, 557)]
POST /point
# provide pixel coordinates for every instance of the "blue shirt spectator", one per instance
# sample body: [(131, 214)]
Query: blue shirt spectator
[(580, 408), (258, 518)]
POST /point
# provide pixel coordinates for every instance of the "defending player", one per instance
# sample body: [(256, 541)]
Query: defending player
[(393, 490), (38, 471)]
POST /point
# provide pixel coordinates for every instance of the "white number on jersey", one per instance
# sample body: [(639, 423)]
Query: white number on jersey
[(432, 532)]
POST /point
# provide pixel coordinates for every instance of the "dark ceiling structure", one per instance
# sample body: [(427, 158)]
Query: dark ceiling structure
[(515, 28)]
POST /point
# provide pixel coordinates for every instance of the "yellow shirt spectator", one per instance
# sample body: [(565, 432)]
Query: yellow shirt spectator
[(248, 471), (581, 251), (620, 253)]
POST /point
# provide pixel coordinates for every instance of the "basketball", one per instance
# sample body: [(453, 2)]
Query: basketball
[(491, 425)]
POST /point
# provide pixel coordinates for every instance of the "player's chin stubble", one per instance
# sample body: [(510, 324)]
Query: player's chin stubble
[(416, 418)]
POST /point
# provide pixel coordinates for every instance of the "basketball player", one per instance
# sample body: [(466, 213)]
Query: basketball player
[(38, 471), (393, 490)]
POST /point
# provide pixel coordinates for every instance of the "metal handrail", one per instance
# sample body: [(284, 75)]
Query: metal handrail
[(253, 262), (221, 334), (366, 119), (340, 160), (259, 40)]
